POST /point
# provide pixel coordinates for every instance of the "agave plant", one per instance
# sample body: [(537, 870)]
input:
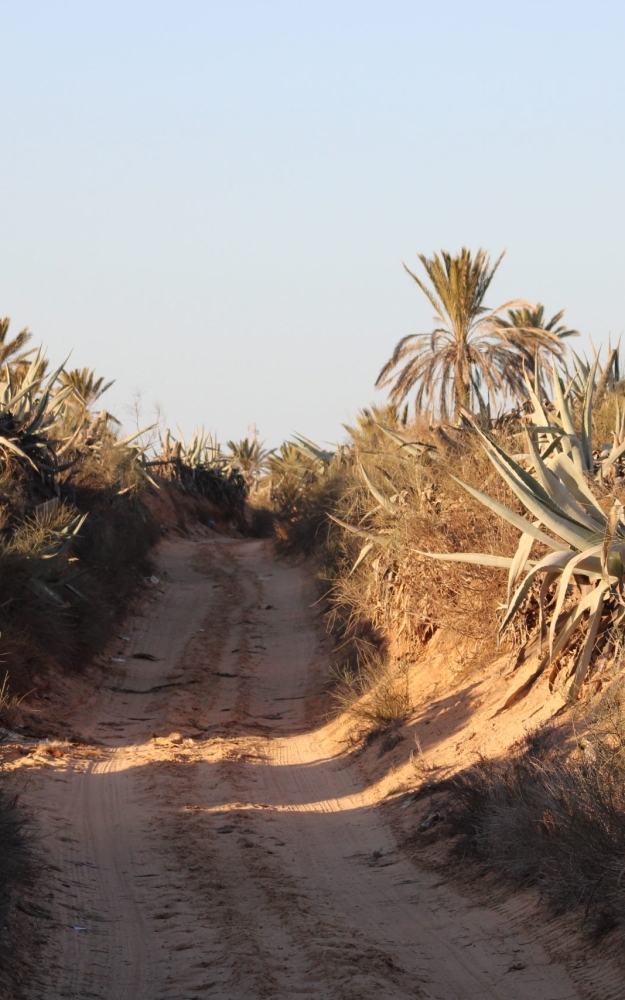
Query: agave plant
[(555, 424), (200, 465), (295, 460), (287, 461), (292, 469), (553, 480), (202, 451), (29, 413), (586, 545)]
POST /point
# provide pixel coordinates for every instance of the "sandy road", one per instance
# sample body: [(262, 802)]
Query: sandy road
[(207, 838)]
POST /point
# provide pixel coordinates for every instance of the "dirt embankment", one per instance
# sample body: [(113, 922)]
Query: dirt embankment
[(207, 834)]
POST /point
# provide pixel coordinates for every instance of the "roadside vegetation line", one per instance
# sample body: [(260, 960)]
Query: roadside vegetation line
[(81, 506), (492, 513)]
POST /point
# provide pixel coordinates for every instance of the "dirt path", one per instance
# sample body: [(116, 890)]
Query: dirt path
[(207, 838)]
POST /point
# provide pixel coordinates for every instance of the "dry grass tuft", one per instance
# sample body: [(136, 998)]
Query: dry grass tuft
[(374, 693), (551, 816)]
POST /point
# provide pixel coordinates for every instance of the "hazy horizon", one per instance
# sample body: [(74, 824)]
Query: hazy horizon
[(212, 204)]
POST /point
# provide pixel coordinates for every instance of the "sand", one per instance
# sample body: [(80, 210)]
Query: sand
[(206, 832)]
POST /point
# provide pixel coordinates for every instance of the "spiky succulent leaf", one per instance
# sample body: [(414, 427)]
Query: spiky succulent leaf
[(474, 558), (383, 501)]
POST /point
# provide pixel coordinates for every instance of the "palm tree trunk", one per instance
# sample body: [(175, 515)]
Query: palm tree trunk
[(462, 391)]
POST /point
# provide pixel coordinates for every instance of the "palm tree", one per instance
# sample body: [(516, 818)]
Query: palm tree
[(470, 347), (530, 318), (88, 387), (250, 457), (533, 318), (10, 349)]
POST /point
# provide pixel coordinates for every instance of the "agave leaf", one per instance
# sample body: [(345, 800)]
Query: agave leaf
[(553, 561), (132, 437), (58, 400), (495, 452), (575, 482), (362, 532), (27, 389), (65, 537), (594, 620), (615, 454), (513, 518), (311, 449), (43, 590), (146, 475), (533, 495), (548, 579), (573, 621), (55, 374), (69, 442), (384, 502), (552, 447), (39, 413), (565, 579), (567, 421), (552, 565), (519, 561), (475, 558), (6, 443), (560, 524), (562, 499), (547, 429), (586, 439), (539, 412), (610, 529), (361, 555)]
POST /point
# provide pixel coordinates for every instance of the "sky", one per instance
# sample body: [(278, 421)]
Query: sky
[(211, 202)]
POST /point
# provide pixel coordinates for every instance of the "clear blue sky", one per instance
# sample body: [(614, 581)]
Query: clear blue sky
[(210, 202)]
